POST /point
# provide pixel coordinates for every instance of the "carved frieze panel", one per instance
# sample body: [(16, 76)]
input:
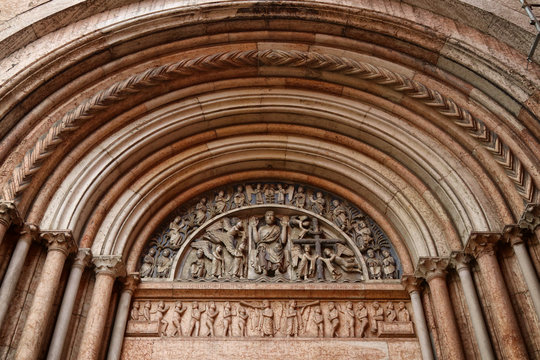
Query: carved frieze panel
[(286, 318), (269, 232)]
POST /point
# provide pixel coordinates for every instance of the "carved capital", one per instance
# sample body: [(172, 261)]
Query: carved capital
[(61, 240), (514, 234), (481, 244), (460, 260), (83, 258), (111, 265), (530, 219), (29, 232), (9, 213), (131, 281), (411, 283), (431, 267)]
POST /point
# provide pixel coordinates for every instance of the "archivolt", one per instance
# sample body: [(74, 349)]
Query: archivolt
[(503, 154)]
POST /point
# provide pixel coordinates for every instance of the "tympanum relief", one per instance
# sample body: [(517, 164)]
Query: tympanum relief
[(270, 318), (270, 232)]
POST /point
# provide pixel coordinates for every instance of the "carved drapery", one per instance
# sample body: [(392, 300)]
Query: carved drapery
[(270, 231)]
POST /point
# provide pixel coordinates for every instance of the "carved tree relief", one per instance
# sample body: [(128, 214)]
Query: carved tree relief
[(269, 232)]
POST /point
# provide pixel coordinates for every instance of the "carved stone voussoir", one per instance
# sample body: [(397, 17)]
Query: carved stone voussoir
[(9, 213), (111, 265), (530, 218), (432, 267), (483, 243), (59, 240)]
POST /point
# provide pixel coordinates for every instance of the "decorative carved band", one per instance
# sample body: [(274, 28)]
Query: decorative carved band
[(70, 122), (111, 265), (481, 244), (9, 213), (432, 267), (61, 240), (270, 318)]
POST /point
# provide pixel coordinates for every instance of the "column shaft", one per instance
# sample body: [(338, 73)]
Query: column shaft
[(446, 322), (97, 316), (505, 320), (119, 328), (38, 316), (66, 309), (421, 326), (529, 274), (13, 274), (475, 311)]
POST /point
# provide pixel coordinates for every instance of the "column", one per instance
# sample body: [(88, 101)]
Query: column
[(122, 313), (434, 271), (412, 286), (28, 234), (108, 268), (60, 245), (8, 215), (82, 260), (482, 247), (516, 237), (461, 262)]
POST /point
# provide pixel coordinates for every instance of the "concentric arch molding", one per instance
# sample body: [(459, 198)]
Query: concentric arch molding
[(120, 91)]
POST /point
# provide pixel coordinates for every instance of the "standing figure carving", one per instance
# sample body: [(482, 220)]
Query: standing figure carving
[(318, 319), (195, 322), (306, 266), (160, 312), (239, 198), (227, 319), (242, 320), (270, 240), (299, 199), (378, 315), (362, 317), (403, 314), (211, 314), (200, 211), (339, 215), (198, 267), (348, 314), (135, 313), (390, 312), (294, 322), (389, 265), (333, 318), (179, 310), (147, 268), (164, 263), (318, 203), (220, 202), (373, 265)]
